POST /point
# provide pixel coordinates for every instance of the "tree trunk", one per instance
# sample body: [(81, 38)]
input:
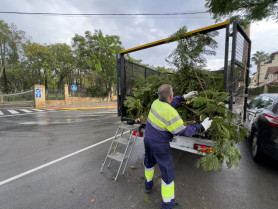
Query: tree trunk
[(58, 91), (46, 87), (1, 97), (109, 92), (258, 74), (5, 81)]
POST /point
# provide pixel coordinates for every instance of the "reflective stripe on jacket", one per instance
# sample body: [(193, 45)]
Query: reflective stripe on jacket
[(161, 117), (164, 117)]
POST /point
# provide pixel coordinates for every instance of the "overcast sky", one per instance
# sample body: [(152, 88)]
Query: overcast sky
[(133, 31)]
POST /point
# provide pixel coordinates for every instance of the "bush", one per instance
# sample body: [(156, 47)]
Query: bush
[(95, 91), (256, 91), (273, 89)]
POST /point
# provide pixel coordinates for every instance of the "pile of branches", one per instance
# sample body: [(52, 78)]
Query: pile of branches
[(226, 130)]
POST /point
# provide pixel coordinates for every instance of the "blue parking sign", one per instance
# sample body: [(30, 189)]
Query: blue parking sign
[(74, 87)]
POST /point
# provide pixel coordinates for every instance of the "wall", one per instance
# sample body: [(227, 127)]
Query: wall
[(41, 102), (264, 67), (78, 100)]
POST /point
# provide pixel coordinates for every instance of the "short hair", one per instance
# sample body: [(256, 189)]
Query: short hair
[(164, 92)]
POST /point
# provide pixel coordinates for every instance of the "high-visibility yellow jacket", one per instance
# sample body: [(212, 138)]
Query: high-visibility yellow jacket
[(164, 122)]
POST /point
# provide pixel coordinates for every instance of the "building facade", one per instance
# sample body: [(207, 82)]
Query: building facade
[(271, 76), (269, 67), (253, 82)]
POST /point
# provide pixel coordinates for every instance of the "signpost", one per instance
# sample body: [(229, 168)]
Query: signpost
[(73, 88), (38, 93)]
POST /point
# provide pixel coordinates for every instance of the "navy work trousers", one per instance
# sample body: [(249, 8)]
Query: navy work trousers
[(161, 154)]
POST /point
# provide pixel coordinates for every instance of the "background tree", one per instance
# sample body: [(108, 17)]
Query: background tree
[(62, 63), (38, 62), (11, 41), (189, 60), (96, 52), (257, 58), (247, 11)]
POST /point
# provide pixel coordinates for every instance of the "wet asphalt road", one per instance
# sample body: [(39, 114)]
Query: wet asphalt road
[(29, 141)]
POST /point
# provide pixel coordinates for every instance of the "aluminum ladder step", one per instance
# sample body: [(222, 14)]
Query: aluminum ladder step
[(122, 140), (129, 127), (117, 156), (117, 143)]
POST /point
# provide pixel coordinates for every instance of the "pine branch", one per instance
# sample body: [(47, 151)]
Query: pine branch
[(199, 81)]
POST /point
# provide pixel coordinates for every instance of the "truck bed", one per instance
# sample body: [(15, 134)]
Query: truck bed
[(187, 144)]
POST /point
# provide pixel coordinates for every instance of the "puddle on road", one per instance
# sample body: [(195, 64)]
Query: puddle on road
[(52, 122)]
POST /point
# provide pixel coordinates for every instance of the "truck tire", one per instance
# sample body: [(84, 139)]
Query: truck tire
[(257, 152)]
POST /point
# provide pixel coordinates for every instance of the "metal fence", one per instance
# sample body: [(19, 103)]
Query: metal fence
[(135, 72), (24, 97), (55, 94), (127, 75), (239, 74)]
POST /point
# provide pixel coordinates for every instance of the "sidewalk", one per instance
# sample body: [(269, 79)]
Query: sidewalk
[(83, 106)]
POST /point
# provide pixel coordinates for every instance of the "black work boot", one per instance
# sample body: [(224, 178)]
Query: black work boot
[(176, 206), (148, 191)]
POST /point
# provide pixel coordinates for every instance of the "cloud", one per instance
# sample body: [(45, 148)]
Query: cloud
[(133, 31)]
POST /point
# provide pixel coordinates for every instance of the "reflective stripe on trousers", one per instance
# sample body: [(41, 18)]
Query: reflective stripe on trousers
[(167, 191), (149, 173)]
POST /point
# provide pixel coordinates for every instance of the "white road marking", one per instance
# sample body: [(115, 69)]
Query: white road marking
[(2, 116), (24, 110), (38, 110), (55, 161), (105, 112), (1, 113), (13, 112)]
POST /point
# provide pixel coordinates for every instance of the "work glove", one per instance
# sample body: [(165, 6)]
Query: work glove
[(206, 123), (191, 94)]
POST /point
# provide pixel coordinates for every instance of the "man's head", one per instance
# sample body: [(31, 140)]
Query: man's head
[(165, 93)]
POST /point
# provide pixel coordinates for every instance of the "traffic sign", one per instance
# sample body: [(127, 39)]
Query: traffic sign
[(38, 95), (74, 87), (38, 90)]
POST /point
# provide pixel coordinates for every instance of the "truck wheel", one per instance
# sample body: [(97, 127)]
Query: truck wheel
[(257, 152)]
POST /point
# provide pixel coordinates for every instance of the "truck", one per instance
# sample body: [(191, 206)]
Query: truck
[(238, 71)]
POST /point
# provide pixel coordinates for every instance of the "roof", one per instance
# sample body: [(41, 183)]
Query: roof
[(273, 70), (274, 53), (274, 82)]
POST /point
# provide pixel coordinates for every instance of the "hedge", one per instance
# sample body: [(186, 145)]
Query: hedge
[(272, 88), (256, 91)]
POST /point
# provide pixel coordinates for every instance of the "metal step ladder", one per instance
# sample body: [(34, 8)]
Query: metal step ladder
[(127, 142)]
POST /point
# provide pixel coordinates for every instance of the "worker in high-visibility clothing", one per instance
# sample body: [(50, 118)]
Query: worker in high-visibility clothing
[(164, 122)]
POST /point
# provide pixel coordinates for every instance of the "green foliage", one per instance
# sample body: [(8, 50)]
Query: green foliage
[(256, 91), (190, 50), (272, 88), (95, 91), (246, 11), (143, 95), (97, 52), (226, 134), (259, 57), (224, 131), (188, 59), (10, 52)]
